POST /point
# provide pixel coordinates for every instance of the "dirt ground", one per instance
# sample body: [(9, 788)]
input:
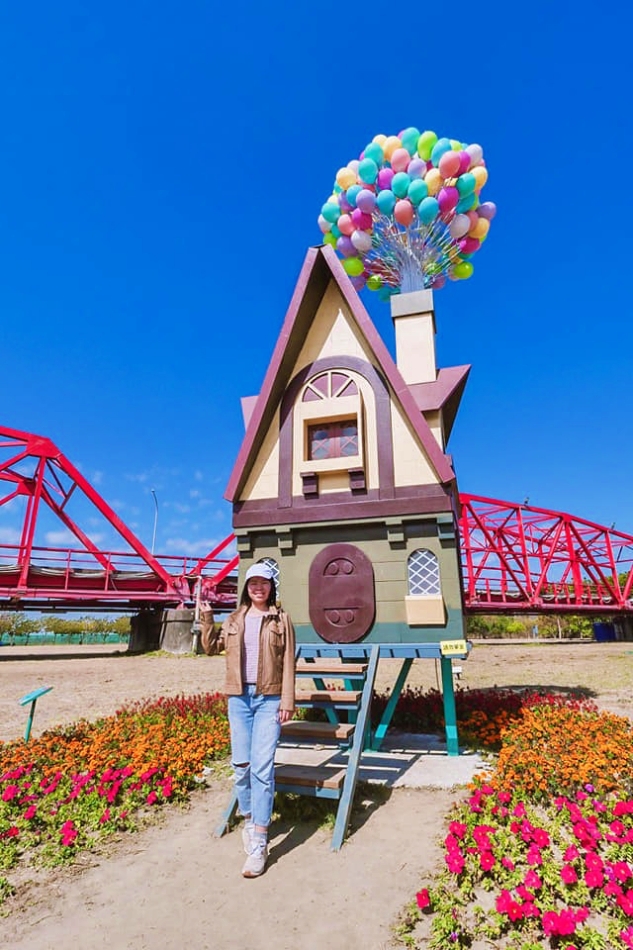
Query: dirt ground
[(174, 884)]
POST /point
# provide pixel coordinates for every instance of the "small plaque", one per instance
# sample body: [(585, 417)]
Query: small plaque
[(453, 647)]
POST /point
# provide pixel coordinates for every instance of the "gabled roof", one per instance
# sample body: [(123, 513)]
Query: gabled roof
[(444, 393), (321, 265)]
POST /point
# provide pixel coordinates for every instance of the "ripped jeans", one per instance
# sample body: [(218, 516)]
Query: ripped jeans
[(255, 728)]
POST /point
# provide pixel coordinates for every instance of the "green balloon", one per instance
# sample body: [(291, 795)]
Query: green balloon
[(368, 171), (466, 184), (400, 184), (418, 191), (375, 152), (330, 239), (374, 282), (331, 212), (409, 139), (353, 266), (426, 142), (463, 270)]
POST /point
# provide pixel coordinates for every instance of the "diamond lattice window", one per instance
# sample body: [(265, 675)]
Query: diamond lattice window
[(424, 573)]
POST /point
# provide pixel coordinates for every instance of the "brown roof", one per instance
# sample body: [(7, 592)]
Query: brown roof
[(321, 265)]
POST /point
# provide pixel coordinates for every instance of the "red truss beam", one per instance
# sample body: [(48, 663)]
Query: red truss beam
[(519, 558), (33, 468)]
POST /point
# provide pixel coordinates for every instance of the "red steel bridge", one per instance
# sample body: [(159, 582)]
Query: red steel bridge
[(515, 558)]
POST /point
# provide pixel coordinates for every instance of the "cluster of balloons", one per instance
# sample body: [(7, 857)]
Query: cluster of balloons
[(407, 214)]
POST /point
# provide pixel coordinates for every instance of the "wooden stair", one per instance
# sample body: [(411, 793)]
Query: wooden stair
[(349, 698)]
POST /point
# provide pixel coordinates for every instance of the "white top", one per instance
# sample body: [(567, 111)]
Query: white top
[(250, 656)]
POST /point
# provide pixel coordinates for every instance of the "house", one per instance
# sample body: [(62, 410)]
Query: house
[(342, 482)]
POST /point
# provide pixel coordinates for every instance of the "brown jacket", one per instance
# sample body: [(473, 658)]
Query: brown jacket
[(276, 665)]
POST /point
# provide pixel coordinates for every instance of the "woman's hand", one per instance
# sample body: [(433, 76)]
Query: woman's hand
[(285, 715)]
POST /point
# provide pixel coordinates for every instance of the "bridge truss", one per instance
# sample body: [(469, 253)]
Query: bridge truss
[(515, 558)]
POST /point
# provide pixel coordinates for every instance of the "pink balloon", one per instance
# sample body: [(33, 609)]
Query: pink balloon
[(360, 220), (464, 162), (459, 226), (403, 212), (447, 199), (345, 224), (449, 164), (400, 159), (385, 177), (366, 200), (469, 245)]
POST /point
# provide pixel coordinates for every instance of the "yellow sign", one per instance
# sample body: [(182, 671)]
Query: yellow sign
[(453, 647)]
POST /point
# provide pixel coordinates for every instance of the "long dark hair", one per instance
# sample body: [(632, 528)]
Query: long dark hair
[(245, 600)]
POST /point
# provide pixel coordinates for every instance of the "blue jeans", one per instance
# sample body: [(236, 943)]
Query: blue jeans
[(255, 728)]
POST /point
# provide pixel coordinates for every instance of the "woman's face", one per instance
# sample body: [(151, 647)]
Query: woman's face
[(259, 591)]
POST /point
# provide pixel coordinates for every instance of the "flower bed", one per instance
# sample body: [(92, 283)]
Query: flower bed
[(61, 792), (541, 852)]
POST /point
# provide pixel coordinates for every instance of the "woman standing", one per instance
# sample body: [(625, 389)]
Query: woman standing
[(259, 640)]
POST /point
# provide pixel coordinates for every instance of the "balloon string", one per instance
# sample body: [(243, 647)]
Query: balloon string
[(413, 257)]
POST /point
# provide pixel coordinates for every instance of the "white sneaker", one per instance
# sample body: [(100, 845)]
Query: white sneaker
[(247, 836), (255, 863)]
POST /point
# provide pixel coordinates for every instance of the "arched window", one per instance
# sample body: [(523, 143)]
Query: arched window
[(423, 572)]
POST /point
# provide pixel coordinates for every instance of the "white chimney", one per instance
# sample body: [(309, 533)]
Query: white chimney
[(414, 323)]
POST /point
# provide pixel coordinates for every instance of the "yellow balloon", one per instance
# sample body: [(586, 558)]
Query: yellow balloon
[(455, 145), (345, 177), (480, 174), (380, 139), (332, 200), (390, 145), (480, 229), (433, 180), (463, 270)]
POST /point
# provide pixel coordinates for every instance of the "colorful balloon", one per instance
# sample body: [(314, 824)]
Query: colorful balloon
[(407, 213)]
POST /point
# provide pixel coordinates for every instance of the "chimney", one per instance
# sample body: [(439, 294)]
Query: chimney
[(414, 323)]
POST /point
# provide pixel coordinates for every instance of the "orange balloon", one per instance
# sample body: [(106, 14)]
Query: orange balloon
[(433, 179), (391, 143), (480, 230), (480, 174)]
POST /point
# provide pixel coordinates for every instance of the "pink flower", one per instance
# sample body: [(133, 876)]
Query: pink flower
[(10, 792), (11, 832), (594, 878), (519, 811), (152, 798), (534, 856), (486, 860), (533, 880), (626, 936), (458, 828), (422, 898), (568, 874), (68, 833), (508, 863), (455, 862), (30, 812), (105, 817), (572, 853)]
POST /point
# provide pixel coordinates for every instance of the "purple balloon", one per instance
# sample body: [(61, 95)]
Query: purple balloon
[(487, 210), (385, 176), (366, 200), (344, 204), (358, 282), (416, 168), (345, 247)]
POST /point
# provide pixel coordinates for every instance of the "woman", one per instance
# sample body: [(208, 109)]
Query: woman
[(259, 640)]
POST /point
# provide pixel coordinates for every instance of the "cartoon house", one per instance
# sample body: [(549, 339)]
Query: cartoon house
[(342, 482)]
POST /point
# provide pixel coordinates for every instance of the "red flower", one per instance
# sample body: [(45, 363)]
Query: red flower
[(422, 898), (30, 812), (486, 860), (10, 792), (568, 874)]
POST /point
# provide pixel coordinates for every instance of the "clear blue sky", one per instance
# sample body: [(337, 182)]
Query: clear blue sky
[(163, 167)]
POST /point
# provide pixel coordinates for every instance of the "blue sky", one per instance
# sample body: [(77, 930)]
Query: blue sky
[(163, 169)]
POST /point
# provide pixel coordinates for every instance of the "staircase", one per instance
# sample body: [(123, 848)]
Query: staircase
[(347, 707)]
